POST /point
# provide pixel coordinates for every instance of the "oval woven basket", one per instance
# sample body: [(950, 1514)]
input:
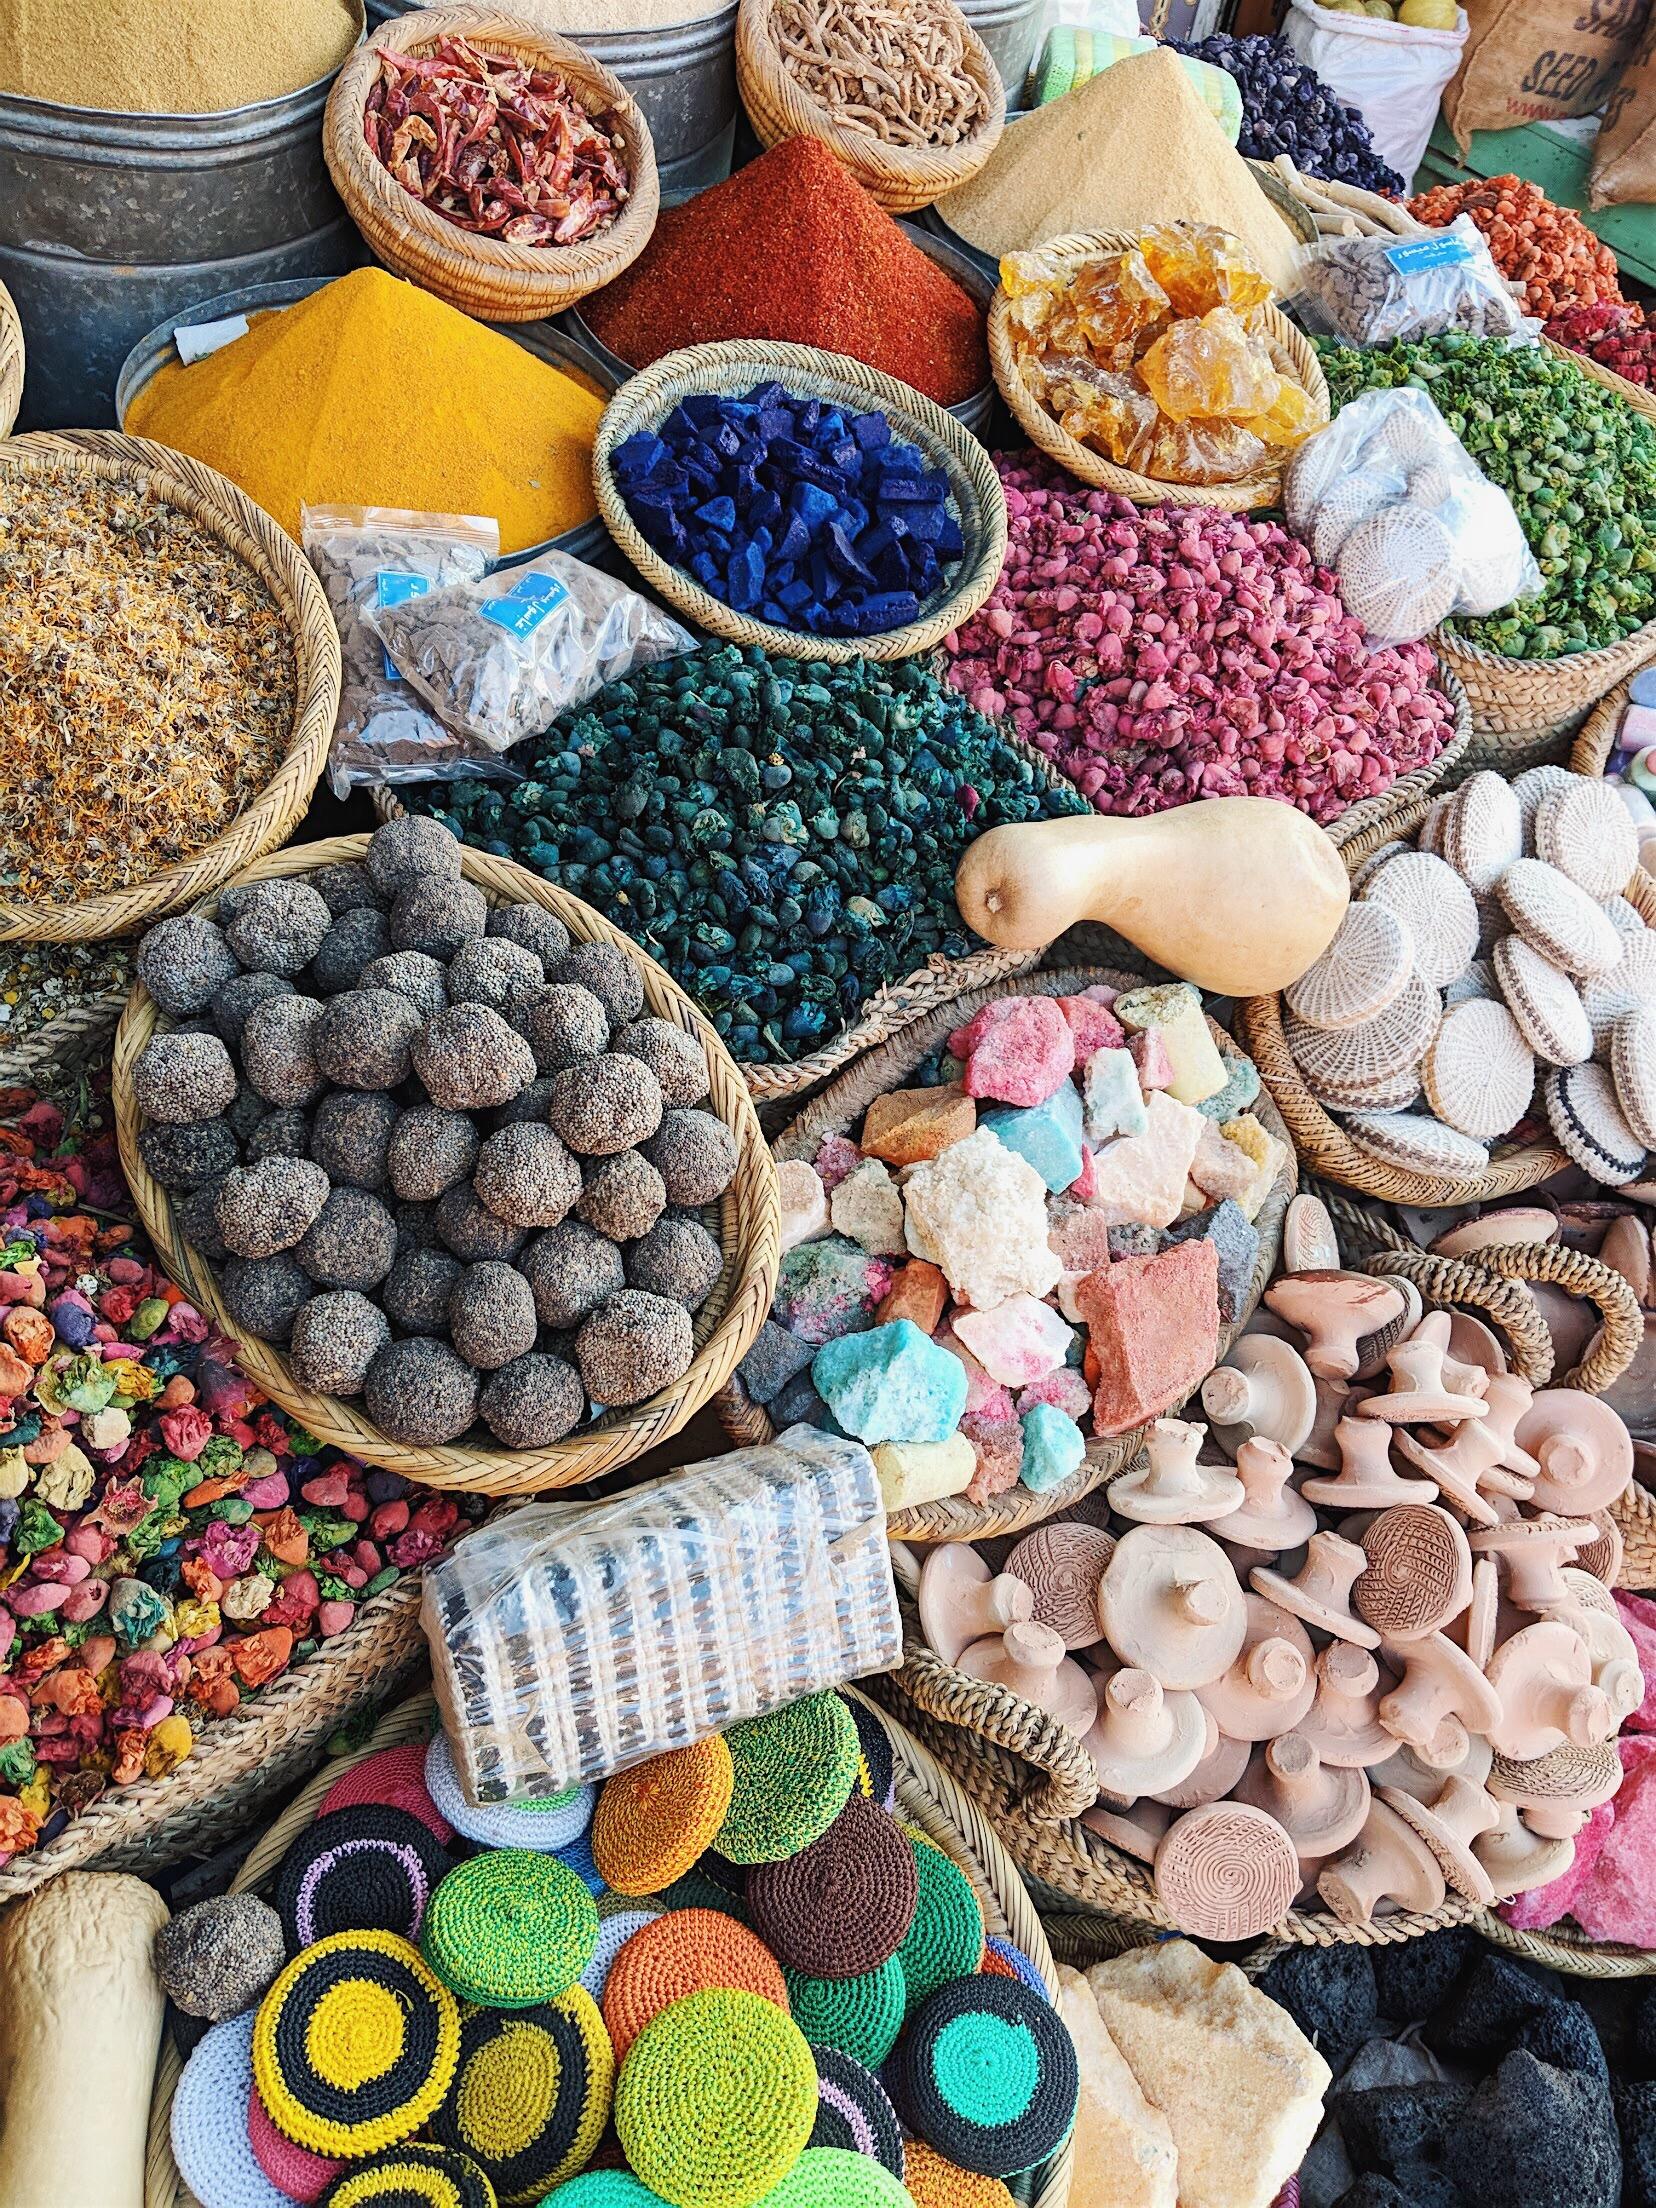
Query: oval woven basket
[(927, 1796), (216, 504), (1264, 489), (647, 398), (725, 1324), (11, 361), (486, 276), (900, 178), (1590, 753), (841, 1106)]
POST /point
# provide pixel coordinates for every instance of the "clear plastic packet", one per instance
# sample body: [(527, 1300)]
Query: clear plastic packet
[(572, 1639), (1390, 499), (499, 658), (1368, 290), (368, 556)]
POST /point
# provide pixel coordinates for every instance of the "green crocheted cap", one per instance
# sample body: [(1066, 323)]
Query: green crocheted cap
[(511, 1929), (794, 1773), (945, 1940), (716, 2101), (834, 2177), (602, 2189), (986, 2073), (860, 2016), (411, 2176), (531, 2095)]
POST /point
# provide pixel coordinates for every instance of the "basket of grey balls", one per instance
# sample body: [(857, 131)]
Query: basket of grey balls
[(470, 1179)]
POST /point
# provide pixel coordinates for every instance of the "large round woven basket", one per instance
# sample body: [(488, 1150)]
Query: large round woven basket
[(974, 488), (926, 1794), (1058, 255), (841, 1106), (11, 361), (900, 178), (725, 1325), (218, 506), (486, 276)]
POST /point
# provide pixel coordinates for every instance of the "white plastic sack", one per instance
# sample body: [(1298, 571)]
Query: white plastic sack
[(1392, 73)]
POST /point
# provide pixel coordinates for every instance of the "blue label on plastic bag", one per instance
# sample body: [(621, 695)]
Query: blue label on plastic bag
[(392, 587), (1417, 254), (522, 609)]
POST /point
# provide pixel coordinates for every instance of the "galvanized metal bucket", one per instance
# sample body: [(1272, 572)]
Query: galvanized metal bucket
[(1011, 29)]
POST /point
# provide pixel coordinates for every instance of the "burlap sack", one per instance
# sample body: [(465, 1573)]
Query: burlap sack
[(1537, 61), (1624, 158)]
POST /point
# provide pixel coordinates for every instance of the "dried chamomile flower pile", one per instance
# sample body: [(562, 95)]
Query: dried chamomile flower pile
[(434, 1149), (1038, 1250)]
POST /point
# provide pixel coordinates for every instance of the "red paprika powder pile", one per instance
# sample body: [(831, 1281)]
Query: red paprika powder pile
[(792, 248)]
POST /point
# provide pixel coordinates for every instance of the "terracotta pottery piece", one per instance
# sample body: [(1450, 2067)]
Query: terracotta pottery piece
[(1483, 1457), (1062, 1565), (1309, 1242), (1335, 1311), (1557, 1792), (961, 1602), (1418, 1394), (1375, 1348), (1473, 1343), (1522, 1223), (1389, 1866), (1544, 1677), (1610, 1646), (1213, 1777), (1419, 1573), (1170, 1486), (1322, 1807), (1478, 1627), (1272, 1683), (1321, 1449), (1136, 1832), (1145, 1740), (1343, 1723), (1584, 1450), (1437, 1682), (1449, 1825), (1262, 1390), (1403, 1768), (1029, 1661), (1171, 1604), (1517, 1860), (1320, 1592), (1626, 1250), (1269, 1516), (1226, 1872), (1367, 1478), (1534, 1552), (1603, 1556)]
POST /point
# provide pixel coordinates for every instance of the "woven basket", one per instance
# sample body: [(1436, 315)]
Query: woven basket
[(899, 178), (485, 277), (839, 1108), (209, 499), (647, 398), (1590, 754), (1265, 489), (724, 1326), (63, 1045), (11, 361), (927, 1795)]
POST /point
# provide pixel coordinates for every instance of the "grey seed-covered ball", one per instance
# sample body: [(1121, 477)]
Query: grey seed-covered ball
[(413, 975), (265, 1294), (534, 929), (351, 1136), (195, 1215), (231, 899), (280, 1134), (184, 963), (437, 917), (529, 1106), (472, 1231), (605, 1104), (420, 1393), (355, 940), (532, 1402), (430, 1152), (245, 1111), (412, 849), (364, 1039), (230, 1008), (564, 1023), (219, 1957), (623, 1196), (571, 1270), (470, 1059), (633, 1345), (336, 1337), (188, 1157), (183, 1077), (676, 1059), (614, 978), (416, 1226), (268, 1207), (526, 1176), (352, 1242), (678, 1259), (277, 1050), (417, 1290), (345, 888), (279, 927), (491, 1316), (490, 971), (695, 1154)]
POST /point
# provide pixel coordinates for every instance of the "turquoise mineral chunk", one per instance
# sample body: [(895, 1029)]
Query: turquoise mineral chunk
[(1047, 1136), (891, 1383), (1053, 1448)]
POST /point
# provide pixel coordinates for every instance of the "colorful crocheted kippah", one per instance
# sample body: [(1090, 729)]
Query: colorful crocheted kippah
[(578, 1857), (1002, 1960), (877, 1764), (396, 1777), (604, 2189), (945, 1941), (834, 2177), (531, 2096), (686, 1951), (987, 2075), (616, 1925), (355, 2044), (550, 1822), (511, 1929), (853, 2111), (361, 1870), (412, 2177), (845, 1903), (653, 1822), (716, 2100), (794, 1773), (293, 2170), (210, 2142), (860, 2016), (932, 2181)]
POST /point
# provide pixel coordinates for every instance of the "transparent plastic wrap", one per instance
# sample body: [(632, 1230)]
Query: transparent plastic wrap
[(500, 658), (1369, 290), (1390, 499), (573, 1639), (372, 556)]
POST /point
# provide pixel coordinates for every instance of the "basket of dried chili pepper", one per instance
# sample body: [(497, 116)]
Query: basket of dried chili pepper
[(11, 362), (491, 162)]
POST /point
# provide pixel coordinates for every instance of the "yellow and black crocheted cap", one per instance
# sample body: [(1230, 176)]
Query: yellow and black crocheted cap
[(531, 2095), (411, 2177)]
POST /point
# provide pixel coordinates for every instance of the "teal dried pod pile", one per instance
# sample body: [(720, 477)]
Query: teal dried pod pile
[(782, 836), (1577, 462)]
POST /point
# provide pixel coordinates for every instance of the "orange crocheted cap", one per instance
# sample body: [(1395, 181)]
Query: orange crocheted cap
[(653, 1822), (686, 1951), (934, 2183), (995, 1966)]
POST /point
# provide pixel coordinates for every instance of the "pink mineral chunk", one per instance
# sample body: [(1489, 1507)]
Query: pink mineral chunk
[(1019, 1341), (1025, 1057), (1618, 1901), (1095, 1025)]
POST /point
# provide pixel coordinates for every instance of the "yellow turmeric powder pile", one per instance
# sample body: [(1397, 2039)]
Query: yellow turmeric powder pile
[(373, 393)]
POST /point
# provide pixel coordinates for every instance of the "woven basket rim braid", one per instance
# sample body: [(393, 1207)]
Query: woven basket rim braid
[(485, 277), (645, 400), (928, 1795), (1590, 754), (11, 361), (228, 514), (1264, 489), (899, 178), (839, 1106), (75, 1035), (1635, 1515), (724, 1326)]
